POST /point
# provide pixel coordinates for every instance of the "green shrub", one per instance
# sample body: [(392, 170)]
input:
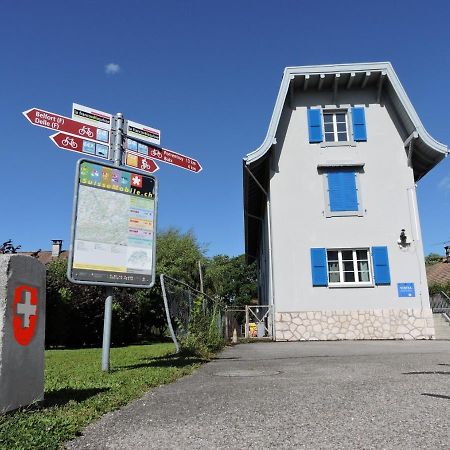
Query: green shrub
[(204, 335)]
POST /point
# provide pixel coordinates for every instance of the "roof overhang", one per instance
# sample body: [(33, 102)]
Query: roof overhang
[(427, 151)]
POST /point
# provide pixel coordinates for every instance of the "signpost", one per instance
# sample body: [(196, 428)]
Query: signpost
[(142, 132), (91, 116), (140, 162), (56, 122), (114, 212), (76, 144), (164, 155)]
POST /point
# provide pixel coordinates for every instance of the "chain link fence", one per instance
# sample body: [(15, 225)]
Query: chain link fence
[(188, 310)]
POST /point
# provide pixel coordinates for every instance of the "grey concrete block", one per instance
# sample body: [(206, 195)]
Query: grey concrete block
[(22, 331)]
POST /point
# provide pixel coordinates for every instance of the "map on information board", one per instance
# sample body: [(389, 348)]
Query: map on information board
[(114, 227)]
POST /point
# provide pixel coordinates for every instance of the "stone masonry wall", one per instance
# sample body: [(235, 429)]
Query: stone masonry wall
[(365, 324)]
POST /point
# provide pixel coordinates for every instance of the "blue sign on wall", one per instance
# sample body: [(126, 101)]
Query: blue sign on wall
[(406, 290)]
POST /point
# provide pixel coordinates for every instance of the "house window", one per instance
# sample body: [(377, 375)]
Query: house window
[(342, 192), (335, 126), (349, 266)]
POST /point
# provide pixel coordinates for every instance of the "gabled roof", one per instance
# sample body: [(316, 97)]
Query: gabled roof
[(427, 151)]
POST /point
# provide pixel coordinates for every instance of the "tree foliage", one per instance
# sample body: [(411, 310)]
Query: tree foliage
[(232, 279), (75, 312), (432, 258)]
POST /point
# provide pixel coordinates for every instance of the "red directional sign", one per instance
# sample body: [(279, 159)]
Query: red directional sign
[(76, 144), (177, 159), (56, 122), (165, 155), (140, 162)]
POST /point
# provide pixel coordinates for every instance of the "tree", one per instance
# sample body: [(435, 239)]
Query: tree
[(178, 254), (231, 279), (433, 258)]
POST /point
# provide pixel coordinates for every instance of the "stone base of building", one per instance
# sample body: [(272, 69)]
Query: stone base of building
[(350, 325)]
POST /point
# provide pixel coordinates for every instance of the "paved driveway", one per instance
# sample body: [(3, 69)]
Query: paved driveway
[(313, 395)]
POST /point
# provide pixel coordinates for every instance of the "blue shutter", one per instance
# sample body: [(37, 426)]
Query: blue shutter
[(319, 267), (359, 124), (342, 191), (381, 265), (315, 125)]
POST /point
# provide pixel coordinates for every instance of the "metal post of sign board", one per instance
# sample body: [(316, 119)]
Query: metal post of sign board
[(116, 157), (106, 345)]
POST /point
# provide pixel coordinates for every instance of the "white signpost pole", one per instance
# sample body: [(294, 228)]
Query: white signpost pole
[(117, 134)]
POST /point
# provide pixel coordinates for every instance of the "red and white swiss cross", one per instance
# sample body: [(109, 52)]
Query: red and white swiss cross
[(136, 181), (25, 313)]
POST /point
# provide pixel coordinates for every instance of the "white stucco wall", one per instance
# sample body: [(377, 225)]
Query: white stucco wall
[(388, 197)]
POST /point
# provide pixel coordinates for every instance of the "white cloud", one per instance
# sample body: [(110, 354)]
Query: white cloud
[(444, 183), (112, 68)]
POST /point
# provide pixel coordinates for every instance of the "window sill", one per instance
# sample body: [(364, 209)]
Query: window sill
[(350, 285), (338, 144), (329, 214)]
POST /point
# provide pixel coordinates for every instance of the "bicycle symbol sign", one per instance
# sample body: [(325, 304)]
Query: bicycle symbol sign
[(69, 141), (86, 131)]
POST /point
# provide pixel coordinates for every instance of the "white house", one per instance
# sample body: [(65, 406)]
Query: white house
[(330, 206)]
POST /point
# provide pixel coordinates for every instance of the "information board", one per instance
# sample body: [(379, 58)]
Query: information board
[(113, 231)]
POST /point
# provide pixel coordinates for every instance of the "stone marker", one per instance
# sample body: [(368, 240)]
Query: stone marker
[(22, 331)]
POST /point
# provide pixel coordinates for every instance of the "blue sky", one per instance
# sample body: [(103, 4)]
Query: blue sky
[(206, 74)]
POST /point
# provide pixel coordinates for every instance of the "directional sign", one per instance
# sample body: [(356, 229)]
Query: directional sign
[(164, 155), (140, 162), (143, 132), (91, 116), (76, 144), (56, 122)]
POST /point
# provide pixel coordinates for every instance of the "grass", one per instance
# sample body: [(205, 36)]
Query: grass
[(77, 392)]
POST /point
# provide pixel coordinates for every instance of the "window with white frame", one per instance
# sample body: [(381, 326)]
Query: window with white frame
[(335, 126), (349, 266)]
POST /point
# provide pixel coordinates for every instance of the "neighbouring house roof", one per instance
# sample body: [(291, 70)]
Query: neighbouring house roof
[(426, 151), (46, 256), (438, 273)]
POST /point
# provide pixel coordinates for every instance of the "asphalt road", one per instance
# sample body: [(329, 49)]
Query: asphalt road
[(299, 395)]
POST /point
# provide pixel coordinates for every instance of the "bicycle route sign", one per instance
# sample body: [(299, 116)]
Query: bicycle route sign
[(55, 122), (140, 162), (163, 155), (77, 144)]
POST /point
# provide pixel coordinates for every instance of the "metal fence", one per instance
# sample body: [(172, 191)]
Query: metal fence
[(249, 322), (180, 300), (440, 303)]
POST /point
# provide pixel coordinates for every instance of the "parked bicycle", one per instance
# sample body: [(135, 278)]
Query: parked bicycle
[(7, 247)]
